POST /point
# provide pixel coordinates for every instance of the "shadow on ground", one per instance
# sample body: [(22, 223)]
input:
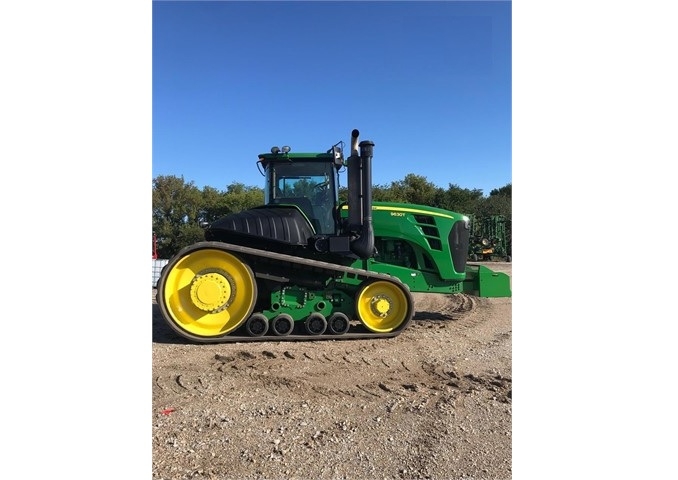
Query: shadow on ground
[(162, 333)]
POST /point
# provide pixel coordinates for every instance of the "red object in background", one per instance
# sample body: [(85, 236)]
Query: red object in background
[(167, 411), (155, 247)]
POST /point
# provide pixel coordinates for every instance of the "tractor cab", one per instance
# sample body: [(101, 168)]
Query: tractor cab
[(307, 184), (309, 181)]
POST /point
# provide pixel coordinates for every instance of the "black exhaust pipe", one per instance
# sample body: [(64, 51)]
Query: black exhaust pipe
[(355, 187), (360, 196)]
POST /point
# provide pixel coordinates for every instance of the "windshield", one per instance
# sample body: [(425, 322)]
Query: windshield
[(299, 179), (312, 180)]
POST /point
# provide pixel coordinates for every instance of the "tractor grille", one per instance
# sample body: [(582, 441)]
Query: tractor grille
[(459, 240), (427, 225), (425, 219)]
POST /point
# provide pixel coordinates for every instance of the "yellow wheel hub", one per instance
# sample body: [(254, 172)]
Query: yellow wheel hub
[(382, 306), (211, 292), (208, 292)]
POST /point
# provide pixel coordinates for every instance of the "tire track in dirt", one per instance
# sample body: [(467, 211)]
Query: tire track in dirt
[(391, 386), (343, 374), (356, 370), (456, 312)]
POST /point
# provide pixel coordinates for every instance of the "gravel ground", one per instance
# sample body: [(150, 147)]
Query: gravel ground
[(434, 402)]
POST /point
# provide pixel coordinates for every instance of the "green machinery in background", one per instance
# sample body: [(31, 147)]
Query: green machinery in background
[(490, 238)]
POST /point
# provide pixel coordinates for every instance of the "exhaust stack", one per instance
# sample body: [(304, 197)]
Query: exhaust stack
[(360, 196), (354, 142)]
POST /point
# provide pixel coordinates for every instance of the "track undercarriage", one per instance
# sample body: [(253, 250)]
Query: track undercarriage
[(215, 292)]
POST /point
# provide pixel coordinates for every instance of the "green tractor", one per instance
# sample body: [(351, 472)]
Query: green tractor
[(490, 238), (304, 266)]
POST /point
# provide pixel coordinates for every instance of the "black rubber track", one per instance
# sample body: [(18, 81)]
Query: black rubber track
[(299, 334)]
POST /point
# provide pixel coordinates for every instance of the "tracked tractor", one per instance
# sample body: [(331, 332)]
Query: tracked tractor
[(304, 266)]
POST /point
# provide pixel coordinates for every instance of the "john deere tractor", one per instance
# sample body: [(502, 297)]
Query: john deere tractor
[(304, 266)]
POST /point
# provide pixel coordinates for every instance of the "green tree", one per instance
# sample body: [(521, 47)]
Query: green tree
[(498, 203), (238, 197), (214, 205), (461, 200), (381, 193), (415, 189), (176, 214), (505, 190)]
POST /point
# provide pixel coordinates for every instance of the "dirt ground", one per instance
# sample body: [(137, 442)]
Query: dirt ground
[(434, 402)]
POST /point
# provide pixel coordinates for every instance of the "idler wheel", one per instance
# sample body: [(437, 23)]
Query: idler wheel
[(206, 293), (383, 306)]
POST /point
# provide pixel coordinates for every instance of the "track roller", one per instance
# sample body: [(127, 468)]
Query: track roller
[(338, 323), (282, 325), (316, 324), (257, 325)]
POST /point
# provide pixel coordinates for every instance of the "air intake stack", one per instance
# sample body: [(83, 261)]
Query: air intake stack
[(360, 197)]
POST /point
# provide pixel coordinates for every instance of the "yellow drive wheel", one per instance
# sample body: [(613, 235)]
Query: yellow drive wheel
[(208, 293), (383, 306)]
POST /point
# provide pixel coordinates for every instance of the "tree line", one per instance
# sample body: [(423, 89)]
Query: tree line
[(180, 207)]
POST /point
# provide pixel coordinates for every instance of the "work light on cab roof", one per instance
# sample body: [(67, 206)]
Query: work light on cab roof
[(276, 150)]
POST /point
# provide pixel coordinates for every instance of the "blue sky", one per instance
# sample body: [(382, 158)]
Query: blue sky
[(428, 82)]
